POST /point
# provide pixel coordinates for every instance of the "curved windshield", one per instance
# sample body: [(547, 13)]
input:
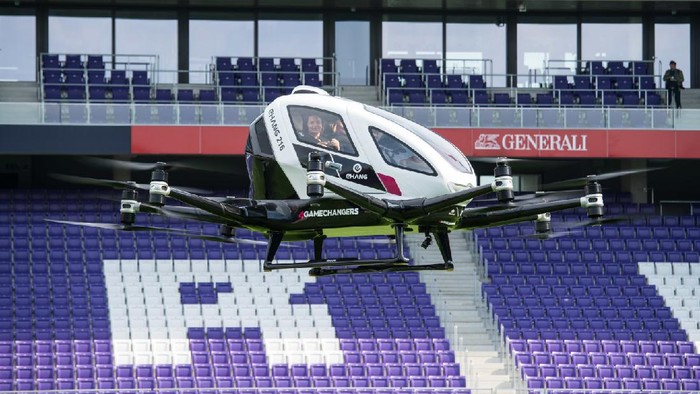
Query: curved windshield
[(448, 151), (398, 154), (321, 128)]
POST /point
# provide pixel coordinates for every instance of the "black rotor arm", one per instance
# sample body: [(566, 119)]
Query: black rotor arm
[(365, 201), (217, 208), (415, 208), (514, 214), (192, 213), (406, 210)]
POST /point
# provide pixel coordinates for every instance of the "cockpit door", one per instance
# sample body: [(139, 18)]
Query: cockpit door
[(331, 131)]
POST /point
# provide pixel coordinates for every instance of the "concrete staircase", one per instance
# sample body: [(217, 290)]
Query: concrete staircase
[(690, 98), (457, 299), (363, 94), (19, 92), (688, 118), (20, 102)]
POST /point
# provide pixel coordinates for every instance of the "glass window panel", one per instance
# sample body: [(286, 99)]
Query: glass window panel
[(290, 38), (412, 40), (542, 47), (18, 43), (352, 51), (211, 38), (611, 41), (154, 40), (672, 42), (477, 48), (80, 35)]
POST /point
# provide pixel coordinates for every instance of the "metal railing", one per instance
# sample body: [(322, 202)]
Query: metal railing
[(76, 71), (444, 67), (217, 113), (79, 77), (274, 73), (354, 390)]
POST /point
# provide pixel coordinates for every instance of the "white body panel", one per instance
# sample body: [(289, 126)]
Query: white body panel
[(358, 120)]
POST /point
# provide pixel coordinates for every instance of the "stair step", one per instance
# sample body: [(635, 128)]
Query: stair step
[(457, 299)]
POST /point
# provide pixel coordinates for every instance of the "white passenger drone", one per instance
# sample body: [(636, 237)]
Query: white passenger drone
[(323, 166)]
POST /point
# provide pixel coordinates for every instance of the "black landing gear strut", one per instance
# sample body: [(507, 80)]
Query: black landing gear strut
[(399, 263)]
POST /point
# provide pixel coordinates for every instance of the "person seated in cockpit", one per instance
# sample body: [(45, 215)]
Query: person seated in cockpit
[(314, 133), (338, 132)]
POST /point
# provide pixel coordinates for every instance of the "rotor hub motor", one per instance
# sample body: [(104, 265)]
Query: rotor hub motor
[(543, 224), (159, 175), (226, 231), (503, 182), (594, 200), (127, 208), (315, 177)]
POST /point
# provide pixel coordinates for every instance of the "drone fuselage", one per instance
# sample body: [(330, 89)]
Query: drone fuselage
[(323, 166), (373, 152)]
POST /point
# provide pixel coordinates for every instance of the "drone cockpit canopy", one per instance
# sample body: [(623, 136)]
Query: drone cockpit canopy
[(373, 151)]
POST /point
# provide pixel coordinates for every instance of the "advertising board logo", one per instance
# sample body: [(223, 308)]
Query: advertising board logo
[(487, 142), (533, 142), (321, 213), (357, 168)]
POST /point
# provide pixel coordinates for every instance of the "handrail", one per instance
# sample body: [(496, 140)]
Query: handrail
[(319, 62), (82, 67), (241, 113)]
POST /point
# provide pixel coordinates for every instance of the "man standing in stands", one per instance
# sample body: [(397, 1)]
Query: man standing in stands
[(674, 83)]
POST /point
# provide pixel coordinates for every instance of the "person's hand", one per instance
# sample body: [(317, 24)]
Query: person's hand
[(333, 143)]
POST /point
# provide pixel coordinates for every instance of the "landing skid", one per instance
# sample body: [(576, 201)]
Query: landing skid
[(323, 267), (335, 263), (381, 268)]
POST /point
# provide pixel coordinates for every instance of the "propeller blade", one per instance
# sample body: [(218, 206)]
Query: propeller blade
[(120, 164), (522, 162), (488, 208), (81, 180), (539, 196), (601, 221), (115, 226), (579, 182), (198, 164), (234, 240), (555, 234), (231, 240), (389, 241), (496, 160), (193, 190), (524, 200), (575, 228)]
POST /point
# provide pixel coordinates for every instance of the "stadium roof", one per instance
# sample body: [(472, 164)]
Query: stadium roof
[(394, 5)]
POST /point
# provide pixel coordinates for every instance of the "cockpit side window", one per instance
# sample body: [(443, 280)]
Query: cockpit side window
[(448, 151), (262, 138), (321, 128), (397, 154)]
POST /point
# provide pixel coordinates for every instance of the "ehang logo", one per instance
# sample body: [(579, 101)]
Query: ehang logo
[(487, 142), (356, 173)]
